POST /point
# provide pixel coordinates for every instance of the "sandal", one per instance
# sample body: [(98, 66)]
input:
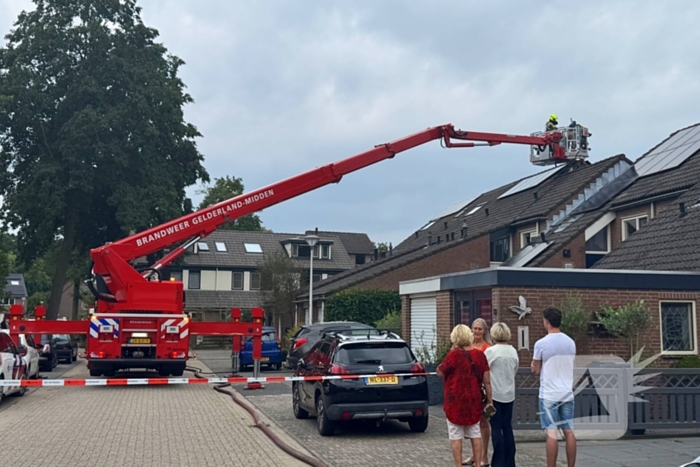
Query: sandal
[(468, 462)]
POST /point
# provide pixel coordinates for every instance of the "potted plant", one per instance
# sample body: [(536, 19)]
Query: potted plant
[(430, 355)]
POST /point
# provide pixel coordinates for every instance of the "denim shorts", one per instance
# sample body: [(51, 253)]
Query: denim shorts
[(555, 415)]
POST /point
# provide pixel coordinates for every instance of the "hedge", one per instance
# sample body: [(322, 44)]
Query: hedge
[(363, 306)]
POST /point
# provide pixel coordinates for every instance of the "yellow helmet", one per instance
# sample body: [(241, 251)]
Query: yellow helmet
[(553, 117)]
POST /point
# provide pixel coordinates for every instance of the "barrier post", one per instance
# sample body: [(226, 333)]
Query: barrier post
[(15, 315), (236, 344), (39, 315), (257, 314)]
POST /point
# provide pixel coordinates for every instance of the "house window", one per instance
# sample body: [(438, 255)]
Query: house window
[(176, 276), (202, 246), (500, 249), (317, 277), (359, 259), (631, 225), (325, 251), (303, 251), (220, 246), (526, 238), (252, 248), (254, 281), (237, 281), (600, 242), (14, 282), (194, 280), (678, 327)]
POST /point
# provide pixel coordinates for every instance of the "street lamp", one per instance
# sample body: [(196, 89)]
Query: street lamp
[(311, 240)]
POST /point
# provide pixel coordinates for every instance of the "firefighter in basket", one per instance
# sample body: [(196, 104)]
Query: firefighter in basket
[(552, 123)]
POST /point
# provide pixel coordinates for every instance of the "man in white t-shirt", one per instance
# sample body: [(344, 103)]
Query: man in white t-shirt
[(553, 360)]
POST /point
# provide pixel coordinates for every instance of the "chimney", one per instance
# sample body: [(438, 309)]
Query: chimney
[(542, 236), (486, 211), (430, 238), (464, 229), (316, 231), (416, 234), (681, 207), (535, 193), (391, 249), (376, 254)]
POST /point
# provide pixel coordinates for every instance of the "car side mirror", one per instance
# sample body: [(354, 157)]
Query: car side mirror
[(301, 363), (22, 351)]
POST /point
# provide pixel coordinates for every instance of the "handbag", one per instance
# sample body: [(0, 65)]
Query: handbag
[(479, 379)]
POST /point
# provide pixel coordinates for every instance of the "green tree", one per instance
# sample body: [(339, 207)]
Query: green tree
[(226, 188), (5, 261), (628, 321), (94, 142), (279, 284)]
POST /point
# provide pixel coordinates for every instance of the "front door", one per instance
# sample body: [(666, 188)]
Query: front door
[(472, 304)]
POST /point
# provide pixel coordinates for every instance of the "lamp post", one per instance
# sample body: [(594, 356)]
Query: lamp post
[(311, 240)]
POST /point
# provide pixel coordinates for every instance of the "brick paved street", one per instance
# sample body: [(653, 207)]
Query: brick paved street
[(134, 426)]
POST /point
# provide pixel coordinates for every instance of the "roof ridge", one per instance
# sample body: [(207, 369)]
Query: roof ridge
[(664, 140)]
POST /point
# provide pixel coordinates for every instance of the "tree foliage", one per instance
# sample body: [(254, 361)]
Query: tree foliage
[(575, 319), (225, 188), (279, 284), (363, 306), (94, 143), (628, 321)]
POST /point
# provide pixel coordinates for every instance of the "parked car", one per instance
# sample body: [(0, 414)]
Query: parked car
[(31, 354), (66, 346), (12, 366), (48, 358), (380, 397), (307, 336), (271, 350)]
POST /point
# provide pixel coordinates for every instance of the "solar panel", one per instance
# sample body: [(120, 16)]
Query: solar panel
[(530, 182), (457, 207), (671, 153)]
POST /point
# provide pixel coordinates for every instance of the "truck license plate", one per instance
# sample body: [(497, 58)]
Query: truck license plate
[(139, 340)]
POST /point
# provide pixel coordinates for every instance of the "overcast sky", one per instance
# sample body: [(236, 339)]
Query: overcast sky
[(281, 87)]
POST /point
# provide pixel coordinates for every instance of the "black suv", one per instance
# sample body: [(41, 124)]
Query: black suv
[(48, 358), (380, 397), (308, 335)]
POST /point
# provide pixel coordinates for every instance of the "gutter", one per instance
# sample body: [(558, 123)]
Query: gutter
[(637, 202)]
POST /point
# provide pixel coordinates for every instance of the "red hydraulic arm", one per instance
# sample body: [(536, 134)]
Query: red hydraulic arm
[(131, 290)]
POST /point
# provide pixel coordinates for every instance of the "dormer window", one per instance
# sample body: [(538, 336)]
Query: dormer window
[(252, 248), (202, 246)]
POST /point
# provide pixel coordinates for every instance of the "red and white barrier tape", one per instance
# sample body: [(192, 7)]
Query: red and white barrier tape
[(166, 381)]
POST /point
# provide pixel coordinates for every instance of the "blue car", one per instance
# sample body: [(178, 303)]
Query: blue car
[(271, 350)]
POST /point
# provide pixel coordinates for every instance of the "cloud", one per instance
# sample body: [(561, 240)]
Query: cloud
[(282, 87)]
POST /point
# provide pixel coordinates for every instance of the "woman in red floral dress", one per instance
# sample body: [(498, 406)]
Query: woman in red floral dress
[(465, 368)]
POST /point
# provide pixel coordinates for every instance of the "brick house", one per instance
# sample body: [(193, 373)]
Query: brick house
[(450, 299), (646, 223), (499, 227), (222, 270), (15, 290)]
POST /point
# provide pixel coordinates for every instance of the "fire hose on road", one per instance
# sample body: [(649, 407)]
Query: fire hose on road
[(260, 424)]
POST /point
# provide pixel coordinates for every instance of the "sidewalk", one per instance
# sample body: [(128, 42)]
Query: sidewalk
[(660, 449)]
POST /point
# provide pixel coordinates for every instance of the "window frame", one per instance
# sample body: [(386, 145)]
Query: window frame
[(223, 248), (532, 232), (199, 281), (233, 280), (694, 328), (327, 253), (173, 273), (609, 241), (636, 222), (252, 274), (253, 249), (509, 244), (200, 249)]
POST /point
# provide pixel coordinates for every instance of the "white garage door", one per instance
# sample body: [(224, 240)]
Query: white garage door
[(423, 322)]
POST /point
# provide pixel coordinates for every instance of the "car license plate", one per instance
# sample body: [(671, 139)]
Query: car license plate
[(139, 340), (264, 359), (389, 379)]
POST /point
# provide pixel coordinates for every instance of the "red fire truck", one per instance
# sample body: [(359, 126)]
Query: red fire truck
[(140, 322)]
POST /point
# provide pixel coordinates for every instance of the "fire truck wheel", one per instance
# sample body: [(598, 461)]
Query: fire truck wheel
[(111, 371)]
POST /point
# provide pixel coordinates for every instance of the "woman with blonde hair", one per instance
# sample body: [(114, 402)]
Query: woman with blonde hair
[(503, 362), (482, 341), (465, 369)]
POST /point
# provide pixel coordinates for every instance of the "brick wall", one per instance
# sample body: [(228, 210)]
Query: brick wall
[(594, 299), (577, 247), (445, 314), (463, 257)]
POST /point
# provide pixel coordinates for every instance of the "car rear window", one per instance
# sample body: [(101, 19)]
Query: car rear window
[(62, 337), (266, 337), (377, 353)]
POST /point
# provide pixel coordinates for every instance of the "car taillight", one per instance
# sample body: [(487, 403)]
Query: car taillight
[(339, 370), (299, 342), (417, 368)]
